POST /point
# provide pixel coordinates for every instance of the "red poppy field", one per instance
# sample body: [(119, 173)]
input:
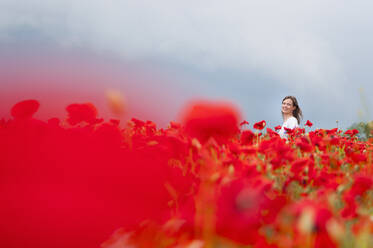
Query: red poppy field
[(211, 180)]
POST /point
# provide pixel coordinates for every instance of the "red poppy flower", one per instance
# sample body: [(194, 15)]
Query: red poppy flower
[(86, 112), (271, 133), (358, 157), (218, 120), (247, 137), (25, 109), (317, 224), (332, 131), (241, 207), (361, 185), (174, 125), (138, 123), (352, 132), (304, 145), (260, 125), (244, 123), (277, 127), (308, 123), (298, 165), (289, 130)]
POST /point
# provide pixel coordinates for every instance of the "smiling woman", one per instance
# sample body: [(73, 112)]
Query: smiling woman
[(291, 114)]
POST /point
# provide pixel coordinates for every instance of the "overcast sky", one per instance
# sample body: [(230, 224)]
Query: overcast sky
[(252, 53)]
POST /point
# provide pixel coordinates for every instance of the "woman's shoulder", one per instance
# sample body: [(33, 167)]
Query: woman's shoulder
[(292, 122), (292, 119)]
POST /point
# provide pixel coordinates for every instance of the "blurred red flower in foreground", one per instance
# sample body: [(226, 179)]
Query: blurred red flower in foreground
[(65, 186), (203, 183), (312, 221), (81, 112), (25, 109), (209, 119), (244, 205), (308, 123)]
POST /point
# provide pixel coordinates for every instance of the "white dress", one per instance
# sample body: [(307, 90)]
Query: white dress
[(290, 123)]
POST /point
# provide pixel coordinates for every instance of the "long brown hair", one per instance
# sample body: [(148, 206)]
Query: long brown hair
[(297, 112)]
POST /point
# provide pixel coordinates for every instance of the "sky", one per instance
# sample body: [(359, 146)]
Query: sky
[(165, 53)]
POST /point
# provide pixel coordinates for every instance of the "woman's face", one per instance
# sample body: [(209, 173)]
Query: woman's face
[(287, 106)]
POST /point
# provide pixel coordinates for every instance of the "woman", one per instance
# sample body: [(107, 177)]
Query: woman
[(291, 114)]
